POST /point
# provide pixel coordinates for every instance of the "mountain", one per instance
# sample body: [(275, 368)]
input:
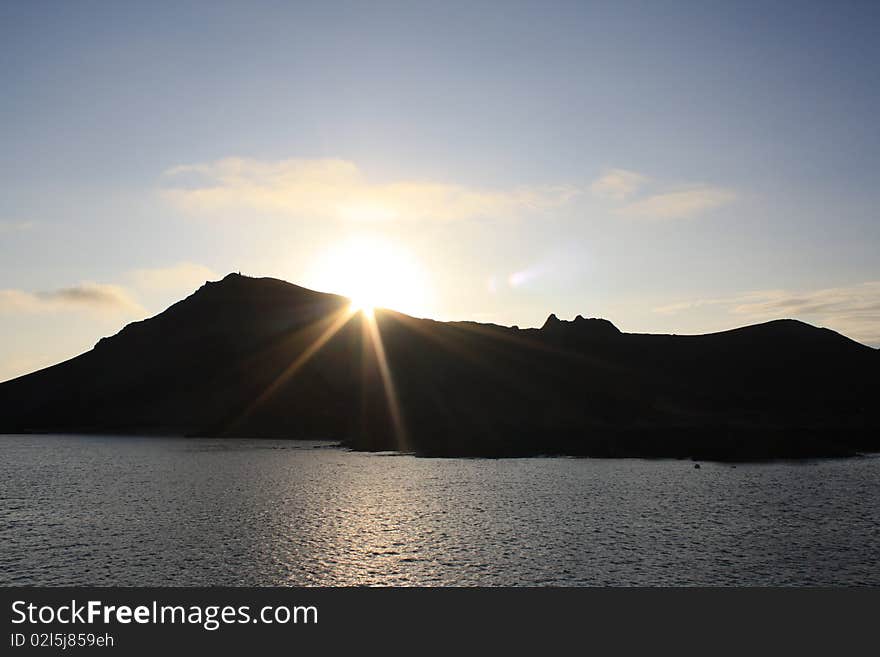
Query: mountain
[(260, 357)]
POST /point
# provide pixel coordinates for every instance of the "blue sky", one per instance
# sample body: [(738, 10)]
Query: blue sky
[(675, 167)]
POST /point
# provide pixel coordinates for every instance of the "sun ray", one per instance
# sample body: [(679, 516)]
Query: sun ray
[(371, 329), (335, 322)]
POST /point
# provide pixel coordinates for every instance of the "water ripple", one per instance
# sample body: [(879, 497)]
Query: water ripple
[(132, 511)]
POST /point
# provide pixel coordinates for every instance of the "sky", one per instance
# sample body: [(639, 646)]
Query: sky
[(673, 167)]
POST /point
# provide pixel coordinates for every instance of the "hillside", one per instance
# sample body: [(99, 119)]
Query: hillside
[(264, 358)]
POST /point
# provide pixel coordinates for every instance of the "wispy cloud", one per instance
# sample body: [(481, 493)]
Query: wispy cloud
[(321, 188), (639, 196), (617, 184), (678, 204), (853, 310), (7, 227), (94, 297), (110, 298)]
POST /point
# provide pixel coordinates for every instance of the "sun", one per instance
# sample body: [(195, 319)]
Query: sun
[(373, 273), (361, 306)]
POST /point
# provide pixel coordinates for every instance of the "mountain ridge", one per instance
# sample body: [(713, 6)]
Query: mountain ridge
[(219, 363)]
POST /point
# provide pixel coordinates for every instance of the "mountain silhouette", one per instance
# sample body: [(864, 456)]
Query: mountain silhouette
[(259, 357)]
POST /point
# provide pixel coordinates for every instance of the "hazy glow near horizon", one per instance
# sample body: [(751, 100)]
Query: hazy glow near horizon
[(373, 273)]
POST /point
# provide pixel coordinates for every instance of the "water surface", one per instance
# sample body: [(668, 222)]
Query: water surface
[(78, 510)]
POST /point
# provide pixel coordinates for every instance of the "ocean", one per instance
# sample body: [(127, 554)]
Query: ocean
[(134, 511)]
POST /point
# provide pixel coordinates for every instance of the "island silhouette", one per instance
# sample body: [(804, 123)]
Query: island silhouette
[(263, 358)]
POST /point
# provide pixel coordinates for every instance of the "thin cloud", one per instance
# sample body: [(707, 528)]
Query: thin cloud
[(93, 297), (7, 227), (858, 299), (332, 188), (109, 298), (617, 184), (679, 204), (853, 310), (638, 196)]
